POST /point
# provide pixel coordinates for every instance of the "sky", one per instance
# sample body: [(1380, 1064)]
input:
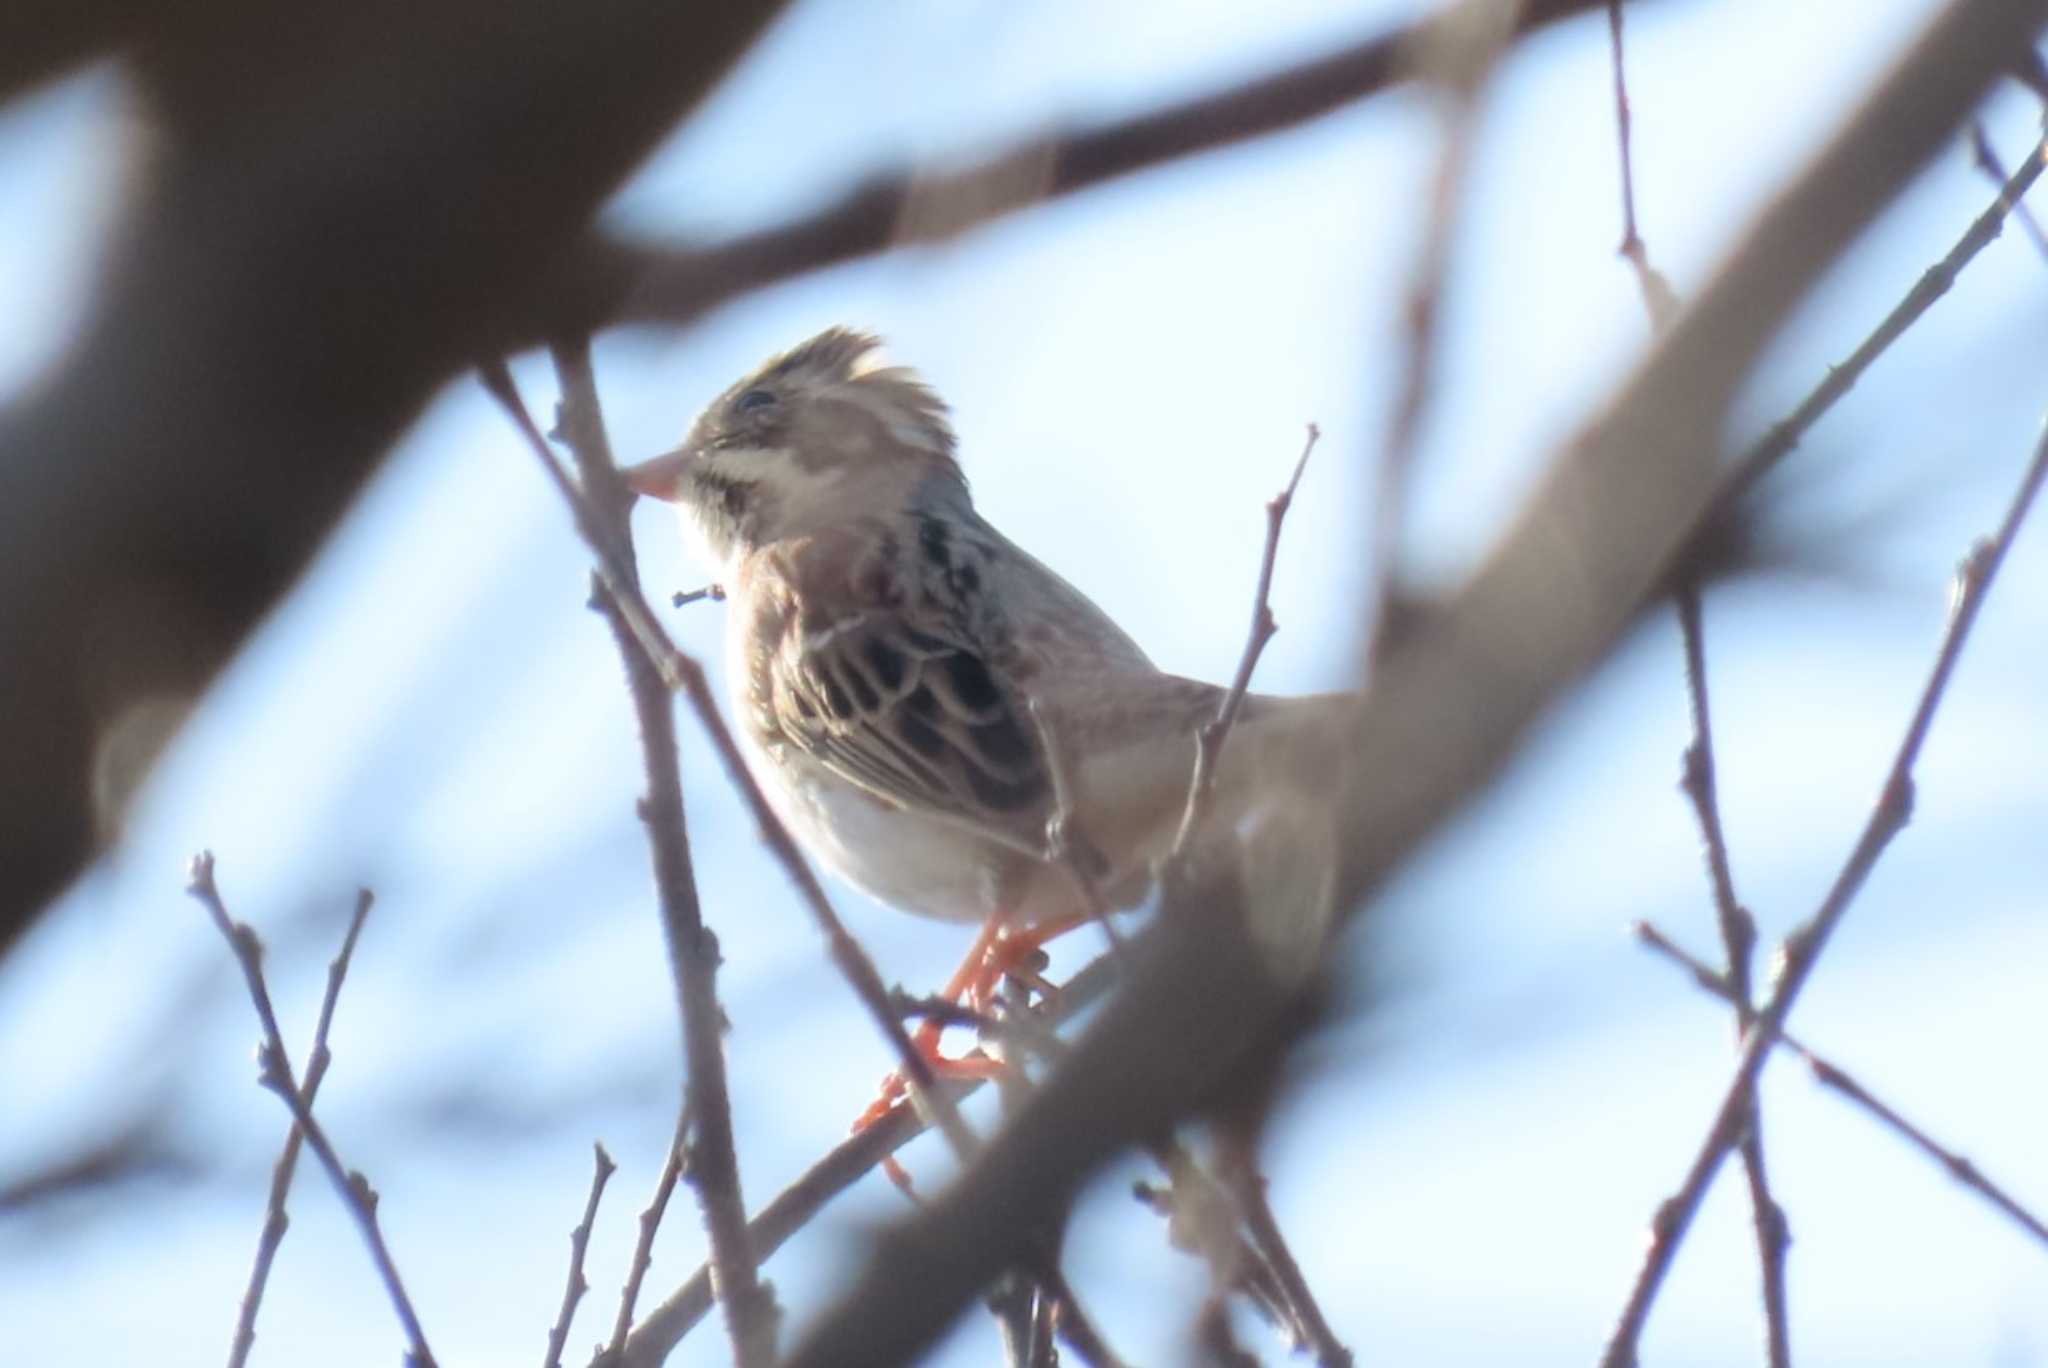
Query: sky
[(1469, 1154)]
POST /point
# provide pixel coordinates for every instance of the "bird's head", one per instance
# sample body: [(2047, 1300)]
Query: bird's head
[(817, 435)]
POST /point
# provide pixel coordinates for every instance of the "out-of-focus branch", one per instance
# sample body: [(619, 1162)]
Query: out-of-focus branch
[(1444, 714), (620, 281), (1461, 59), (324, 209)]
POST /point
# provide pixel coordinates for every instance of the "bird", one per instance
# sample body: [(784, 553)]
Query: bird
[(918, 696)]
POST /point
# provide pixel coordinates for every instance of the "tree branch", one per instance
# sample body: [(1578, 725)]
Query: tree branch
[(619, 281), (750, 1311), (1803, 948), (275, 1222), (276, 1074)]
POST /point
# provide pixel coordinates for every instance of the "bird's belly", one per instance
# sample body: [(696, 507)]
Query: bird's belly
[(906, 859)]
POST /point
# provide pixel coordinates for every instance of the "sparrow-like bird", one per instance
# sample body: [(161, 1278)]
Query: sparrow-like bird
[(908, 682)]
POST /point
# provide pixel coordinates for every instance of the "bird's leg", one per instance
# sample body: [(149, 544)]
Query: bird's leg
[(926, 1037), (998, 952)]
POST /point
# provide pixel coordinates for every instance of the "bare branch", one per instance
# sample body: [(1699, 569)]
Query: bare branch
[(1987, 161), (264, 334), (276, 1075), (275, 1222), (643, 1246), (1803, 948), (601, 503), (1659, 299), (1248, 1191), (579, 1244), (1833, 1076), (1209, 740), (622, 282), (1786, 434), (1738, 931)]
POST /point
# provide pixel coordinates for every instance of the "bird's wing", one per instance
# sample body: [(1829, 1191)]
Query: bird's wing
[(916, 717)]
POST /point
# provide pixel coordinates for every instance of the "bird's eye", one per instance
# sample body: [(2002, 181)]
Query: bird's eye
[(755, 401)]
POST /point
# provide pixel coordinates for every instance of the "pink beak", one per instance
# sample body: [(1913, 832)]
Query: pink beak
[(658, 478)]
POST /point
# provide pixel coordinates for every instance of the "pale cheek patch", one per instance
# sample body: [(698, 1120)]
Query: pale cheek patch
[(697, 543)]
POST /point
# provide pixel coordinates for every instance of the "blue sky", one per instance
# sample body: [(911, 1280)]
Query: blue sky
[(1468, 1167)]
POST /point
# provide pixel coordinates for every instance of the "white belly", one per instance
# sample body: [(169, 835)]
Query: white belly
[(906, 859)]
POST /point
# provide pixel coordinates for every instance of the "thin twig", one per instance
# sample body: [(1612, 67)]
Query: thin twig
[(1659, 299), (1738, 930), (683, 674), (1066, 844), (579, 1244), (1738, 942), (1248, 1189), (750, 1310), (275, 1221), (1016, 1299), (1986, 158), (1832, 1075), (275, 1073), (1783, 436), (1802, 950), (1209, 740), (1234, 1263), (643, 1246), (1203, 1220), (1461, 58)]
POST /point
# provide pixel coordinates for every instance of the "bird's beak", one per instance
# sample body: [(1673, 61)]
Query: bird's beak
[(660, 478)]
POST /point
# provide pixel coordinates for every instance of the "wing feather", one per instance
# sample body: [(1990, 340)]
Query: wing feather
[(917, 718)]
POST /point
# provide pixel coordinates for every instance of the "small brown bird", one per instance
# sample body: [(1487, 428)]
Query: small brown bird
[(888, 650)]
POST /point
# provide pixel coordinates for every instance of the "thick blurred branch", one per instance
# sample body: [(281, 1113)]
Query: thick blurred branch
[(1445, 712), (333, 211), (624, 281)]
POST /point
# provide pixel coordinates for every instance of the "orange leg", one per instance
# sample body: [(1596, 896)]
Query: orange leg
[(997, 952)]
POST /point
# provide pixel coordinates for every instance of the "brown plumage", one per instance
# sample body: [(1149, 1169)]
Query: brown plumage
[(887, 648)]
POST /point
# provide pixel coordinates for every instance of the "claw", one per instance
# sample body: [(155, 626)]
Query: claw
[(998, 953)]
